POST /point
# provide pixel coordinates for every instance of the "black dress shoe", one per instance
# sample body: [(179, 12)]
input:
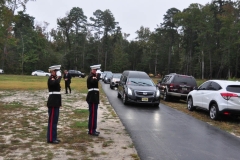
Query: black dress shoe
[(54, 142), (93, 134), (58, 140), (97, 132)]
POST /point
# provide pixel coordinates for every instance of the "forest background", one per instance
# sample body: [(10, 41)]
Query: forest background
[(201, 40)]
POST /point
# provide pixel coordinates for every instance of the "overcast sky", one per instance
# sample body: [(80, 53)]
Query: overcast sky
[(131, 14)]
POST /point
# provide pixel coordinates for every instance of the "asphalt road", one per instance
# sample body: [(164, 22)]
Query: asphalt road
[(164, 133)]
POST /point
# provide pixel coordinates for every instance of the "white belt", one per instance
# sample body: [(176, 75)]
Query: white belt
[(54, 93), (93, 89)]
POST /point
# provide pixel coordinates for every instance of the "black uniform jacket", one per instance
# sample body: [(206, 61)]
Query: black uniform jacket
[(68, 76), (93, 96), (54, 100)]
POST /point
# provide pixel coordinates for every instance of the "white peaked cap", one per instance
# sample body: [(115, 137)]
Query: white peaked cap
[(98, 66), (54, 68)]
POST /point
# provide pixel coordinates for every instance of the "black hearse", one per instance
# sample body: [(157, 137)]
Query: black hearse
[(138, 87)]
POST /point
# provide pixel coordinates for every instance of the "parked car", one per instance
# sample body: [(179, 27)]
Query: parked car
[(138, 87), (217, 97), (1, 71), (115, 80), (75, 73), (176, 86), (103, 74), (40, 73), (107, 77)]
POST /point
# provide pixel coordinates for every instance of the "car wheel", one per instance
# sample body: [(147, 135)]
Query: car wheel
[(119, 95), (190, 106), (35, 74), (124, 98), (213, 112), (111, 87), (156, 104), (165, 96), (47, 75)]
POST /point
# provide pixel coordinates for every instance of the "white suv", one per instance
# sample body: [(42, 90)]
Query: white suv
[(217, 97)]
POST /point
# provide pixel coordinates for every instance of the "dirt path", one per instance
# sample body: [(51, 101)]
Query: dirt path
[(23, 124)]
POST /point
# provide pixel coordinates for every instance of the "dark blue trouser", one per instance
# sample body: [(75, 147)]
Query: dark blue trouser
[(92, 120), (53, 114)]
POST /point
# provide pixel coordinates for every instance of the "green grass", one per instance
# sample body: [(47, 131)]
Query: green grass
[(23, 82), (80, 125)]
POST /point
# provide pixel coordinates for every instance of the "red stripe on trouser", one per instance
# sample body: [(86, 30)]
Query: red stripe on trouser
[(92, 118), (51, 124)]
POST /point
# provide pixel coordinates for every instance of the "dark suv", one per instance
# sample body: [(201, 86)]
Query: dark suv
[(75, 73), (176, 85)]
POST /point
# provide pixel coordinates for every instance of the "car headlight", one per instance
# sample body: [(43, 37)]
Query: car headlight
[(157, 93), (129, 91)]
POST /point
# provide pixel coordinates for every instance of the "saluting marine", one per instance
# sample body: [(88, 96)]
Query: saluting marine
[(53, 104), (93, 99)]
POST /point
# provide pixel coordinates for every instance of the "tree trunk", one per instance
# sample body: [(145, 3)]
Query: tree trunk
[(105, 67), (169, 58), (22, 53), (202, 64), (210, 65), (236, 63)]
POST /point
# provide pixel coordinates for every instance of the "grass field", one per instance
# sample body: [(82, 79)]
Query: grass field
[(19, 82)]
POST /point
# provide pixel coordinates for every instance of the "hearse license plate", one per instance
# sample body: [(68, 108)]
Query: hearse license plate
[(144, 99), (184, 89)]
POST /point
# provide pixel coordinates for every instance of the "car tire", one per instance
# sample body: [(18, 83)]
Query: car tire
[(165, 96), (47, 75), (35, 74), (213, 111), (190, 106), (111, 87), (119, 95), (124, 99), (156, 104)]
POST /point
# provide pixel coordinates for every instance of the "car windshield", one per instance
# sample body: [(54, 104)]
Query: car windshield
[(117, 75), (109, 75), (140, 82)]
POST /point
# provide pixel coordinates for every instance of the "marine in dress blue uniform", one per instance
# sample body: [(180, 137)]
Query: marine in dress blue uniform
[(93, 100), (54, 103)]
